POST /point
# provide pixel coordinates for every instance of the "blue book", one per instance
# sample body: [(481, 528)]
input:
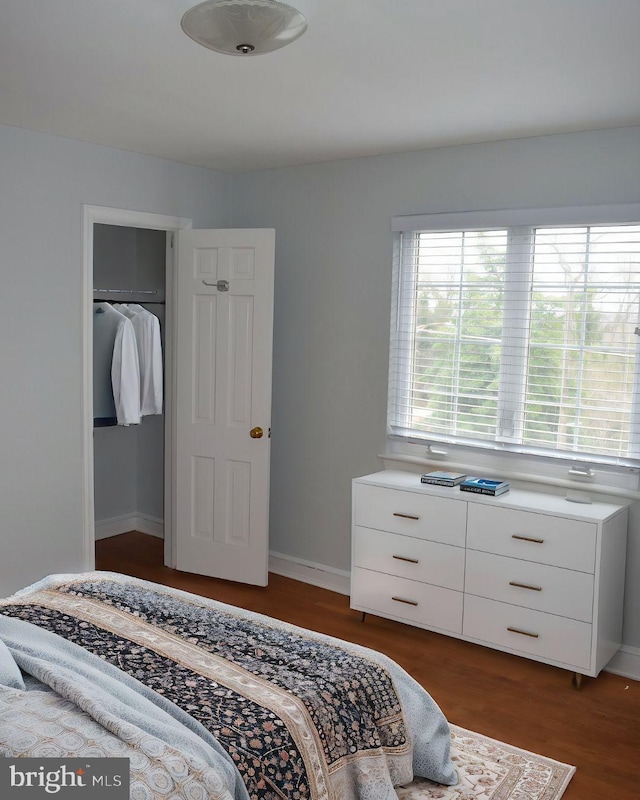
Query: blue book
[(484, 486), (443, 478)]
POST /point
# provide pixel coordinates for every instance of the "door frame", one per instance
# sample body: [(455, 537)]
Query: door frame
[(104, 215)]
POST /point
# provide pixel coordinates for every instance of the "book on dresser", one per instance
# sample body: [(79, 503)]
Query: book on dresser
[(443, 478), (487, 486)]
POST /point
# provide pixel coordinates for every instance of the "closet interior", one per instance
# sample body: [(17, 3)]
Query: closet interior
[(129, 267)]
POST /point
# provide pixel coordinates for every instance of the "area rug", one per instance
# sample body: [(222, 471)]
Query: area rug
[(491, 770)]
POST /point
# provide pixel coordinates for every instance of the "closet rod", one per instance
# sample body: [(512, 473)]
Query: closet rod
[(146, 302), (128, 291)]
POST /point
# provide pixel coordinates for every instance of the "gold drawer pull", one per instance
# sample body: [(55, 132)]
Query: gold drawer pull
[(526, 538), (402, 600), (524, 633), (409, 560), (404, 516), (525, 586)]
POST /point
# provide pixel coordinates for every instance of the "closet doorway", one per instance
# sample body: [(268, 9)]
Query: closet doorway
[(128, 476), (213, 490)]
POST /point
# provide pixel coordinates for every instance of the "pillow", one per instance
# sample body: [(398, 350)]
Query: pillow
[(10, 674)]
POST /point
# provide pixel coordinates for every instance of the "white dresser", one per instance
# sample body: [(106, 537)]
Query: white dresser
[(527, 572)]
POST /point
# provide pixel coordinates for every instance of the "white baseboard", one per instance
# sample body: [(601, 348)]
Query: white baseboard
[(151, 525), (144, 523), (336, 580), (626, 662), (114, 526)]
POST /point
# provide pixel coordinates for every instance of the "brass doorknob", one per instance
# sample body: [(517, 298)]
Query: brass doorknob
[(256, 433)]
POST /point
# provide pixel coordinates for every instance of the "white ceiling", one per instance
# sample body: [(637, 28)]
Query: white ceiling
[(368, 77)]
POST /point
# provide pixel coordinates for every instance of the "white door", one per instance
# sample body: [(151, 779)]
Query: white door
[(224, 330)]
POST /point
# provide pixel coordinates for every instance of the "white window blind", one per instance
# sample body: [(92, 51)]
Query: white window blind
[(521, 335)]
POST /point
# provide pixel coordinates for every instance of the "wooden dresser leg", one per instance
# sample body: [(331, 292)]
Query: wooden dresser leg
[(576, 681), (364, 614)]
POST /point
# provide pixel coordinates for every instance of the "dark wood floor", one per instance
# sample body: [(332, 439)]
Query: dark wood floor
[(530, 705)]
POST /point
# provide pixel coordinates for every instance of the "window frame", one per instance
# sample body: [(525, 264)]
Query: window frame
[(520, 225)]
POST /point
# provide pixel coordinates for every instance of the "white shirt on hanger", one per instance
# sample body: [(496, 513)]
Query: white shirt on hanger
[(115, 351), (147, 329)]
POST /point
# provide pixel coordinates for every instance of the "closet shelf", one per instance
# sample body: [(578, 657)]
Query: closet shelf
[(127, 291)]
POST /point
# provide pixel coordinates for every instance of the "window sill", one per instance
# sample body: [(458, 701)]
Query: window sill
[(576, 490)]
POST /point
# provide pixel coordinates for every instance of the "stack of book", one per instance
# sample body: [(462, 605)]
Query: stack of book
[(484, 486), (443, 478)]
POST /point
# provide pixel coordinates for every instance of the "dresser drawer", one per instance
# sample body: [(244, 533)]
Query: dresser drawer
[(406, 600), (406, 557), (524, 583), (531, 536), (533, 633), (437, 519)]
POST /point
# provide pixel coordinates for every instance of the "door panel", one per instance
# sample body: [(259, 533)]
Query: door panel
[(240, 361), (204, 358), (238, 502), (224, 354), (203, 484)]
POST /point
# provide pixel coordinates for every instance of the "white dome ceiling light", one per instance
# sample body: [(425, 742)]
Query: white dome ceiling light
[(244, 27)]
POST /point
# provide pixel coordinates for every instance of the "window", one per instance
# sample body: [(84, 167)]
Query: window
[(519, 330)]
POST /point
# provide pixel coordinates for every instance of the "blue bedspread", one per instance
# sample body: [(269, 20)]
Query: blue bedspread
[(260, 708)]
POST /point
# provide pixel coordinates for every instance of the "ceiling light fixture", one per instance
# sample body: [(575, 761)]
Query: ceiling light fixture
[(244, 27)]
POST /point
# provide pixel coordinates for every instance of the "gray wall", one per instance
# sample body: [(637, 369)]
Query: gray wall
[(128, 462), (44, 181), (115, 450), (332, 303)]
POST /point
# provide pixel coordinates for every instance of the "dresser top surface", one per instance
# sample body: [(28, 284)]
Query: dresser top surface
[(518, 499)]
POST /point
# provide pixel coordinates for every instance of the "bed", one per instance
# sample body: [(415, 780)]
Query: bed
[(207, 700)]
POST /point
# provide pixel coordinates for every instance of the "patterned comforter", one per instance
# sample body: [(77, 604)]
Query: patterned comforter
[(208, 700)]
